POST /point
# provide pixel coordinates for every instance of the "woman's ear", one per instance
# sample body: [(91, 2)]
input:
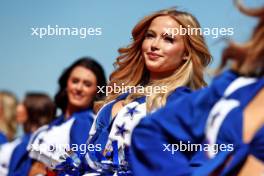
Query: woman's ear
[(186, 56)]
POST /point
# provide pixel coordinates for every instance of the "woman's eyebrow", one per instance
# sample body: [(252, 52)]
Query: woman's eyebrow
[(150, 31)]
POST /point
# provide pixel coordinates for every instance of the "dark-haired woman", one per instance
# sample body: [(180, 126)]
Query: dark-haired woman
[(14, 158), (77, 93)]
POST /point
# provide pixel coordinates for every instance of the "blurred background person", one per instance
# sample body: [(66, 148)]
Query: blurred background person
[(75, 98), (8, 103), (39, 110), (21, 117)]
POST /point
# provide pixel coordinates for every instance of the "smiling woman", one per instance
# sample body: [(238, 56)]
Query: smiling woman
[(78, 86), (227, 116), (75, 97), (81, 87), (162, 51), (154, 58), (175, 60)]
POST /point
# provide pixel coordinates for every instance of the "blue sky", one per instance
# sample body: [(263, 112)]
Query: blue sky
[(30, 63)]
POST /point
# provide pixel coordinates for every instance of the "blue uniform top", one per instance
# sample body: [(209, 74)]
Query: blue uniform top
[(20, 162), (117, 130), (50, 144), (183, 121), (225, 126), (3, 138)]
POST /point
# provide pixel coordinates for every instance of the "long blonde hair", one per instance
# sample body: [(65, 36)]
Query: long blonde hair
[(249, 56), (8, 103), (131, 70)]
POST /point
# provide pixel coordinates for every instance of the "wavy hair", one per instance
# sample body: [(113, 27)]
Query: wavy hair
[(130, 69), (248, 57)]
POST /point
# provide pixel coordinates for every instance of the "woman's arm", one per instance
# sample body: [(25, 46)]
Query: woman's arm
[(156, 139)]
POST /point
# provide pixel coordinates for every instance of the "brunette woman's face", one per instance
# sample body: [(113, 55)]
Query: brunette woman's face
[(81, 87), (162, 51)]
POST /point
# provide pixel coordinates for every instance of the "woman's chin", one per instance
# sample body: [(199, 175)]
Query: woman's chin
[(154, 68)]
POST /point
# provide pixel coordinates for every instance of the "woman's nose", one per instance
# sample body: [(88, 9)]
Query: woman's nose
[(79, 86), (155, 45)]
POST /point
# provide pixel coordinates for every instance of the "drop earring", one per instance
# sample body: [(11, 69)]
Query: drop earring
[(185, 58)]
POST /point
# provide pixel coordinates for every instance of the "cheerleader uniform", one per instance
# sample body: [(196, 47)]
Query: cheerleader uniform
[(15, 160), (55, 144), (114, 134), (6, 151), (225, 126), (156, 138), (20, 162), (3, 138)]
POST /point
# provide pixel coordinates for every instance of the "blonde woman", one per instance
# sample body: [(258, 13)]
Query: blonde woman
[(158, 66), (8, 103), (224, 120)]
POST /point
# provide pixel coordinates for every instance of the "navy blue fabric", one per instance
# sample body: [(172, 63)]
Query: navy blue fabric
[(58, 121), (104, 120), (20, 163), (80, 131), (3, 138), (181, 120), (79, 134), (231, 131)]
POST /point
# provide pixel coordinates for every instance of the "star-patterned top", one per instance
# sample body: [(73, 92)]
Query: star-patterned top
[(121, 130), (132, 111)]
